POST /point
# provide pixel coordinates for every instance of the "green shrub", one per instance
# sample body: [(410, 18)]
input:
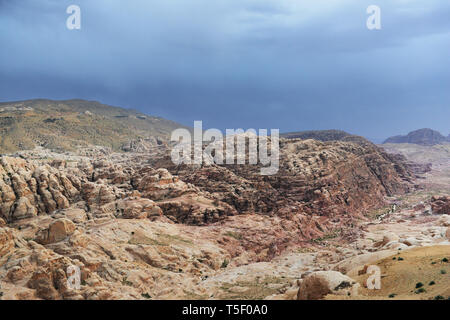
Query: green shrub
[(420, 290), (225, 263)]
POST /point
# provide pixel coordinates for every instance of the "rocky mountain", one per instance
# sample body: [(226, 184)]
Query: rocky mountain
[(326, 179), (327, 135), (137, 226), (125, 217), (321, 178), (321, 135), (338, 135), (69, 124), (425, 137)]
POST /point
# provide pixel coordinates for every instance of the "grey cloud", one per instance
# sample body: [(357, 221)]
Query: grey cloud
[(290, 64)]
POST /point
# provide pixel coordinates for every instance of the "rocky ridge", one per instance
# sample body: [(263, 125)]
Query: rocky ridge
[(109, 213), (425, 137), (68, 125), (139, 227)]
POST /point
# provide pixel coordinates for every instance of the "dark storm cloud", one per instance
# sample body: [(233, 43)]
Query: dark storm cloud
[(287, 64)]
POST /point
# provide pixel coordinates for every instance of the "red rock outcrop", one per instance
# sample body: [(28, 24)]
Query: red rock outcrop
[(440, 205), (105, 188), (334, 179), (28, 190), (6, 241), (138, 226)]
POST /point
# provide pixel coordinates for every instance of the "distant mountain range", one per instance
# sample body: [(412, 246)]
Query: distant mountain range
[(67, 124), (424, 137), (326, 135)]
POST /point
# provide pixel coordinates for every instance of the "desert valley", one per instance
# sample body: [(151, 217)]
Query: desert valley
[(88, 185)]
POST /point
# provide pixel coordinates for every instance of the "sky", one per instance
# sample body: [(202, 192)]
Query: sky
[(291, 65)]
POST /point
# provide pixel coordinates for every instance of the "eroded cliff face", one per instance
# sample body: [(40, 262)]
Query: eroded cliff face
[(138, 226), (331, 179), (440, 205), (101, 187)]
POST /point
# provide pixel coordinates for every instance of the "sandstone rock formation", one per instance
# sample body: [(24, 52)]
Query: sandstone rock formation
[(325, 180), (139, 227), (440, 205), (57, 231), (28, 190), (103, 188), (425, 137), (321, 283), (6, 240)]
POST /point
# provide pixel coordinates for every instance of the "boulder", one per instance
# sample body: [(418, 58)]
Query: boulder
[(351, 264), (411, 241), (321, 283), (57, 231), (76, 215), (138, 208), (444, 220), (42, 281), (387, 238), (24, 209)]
